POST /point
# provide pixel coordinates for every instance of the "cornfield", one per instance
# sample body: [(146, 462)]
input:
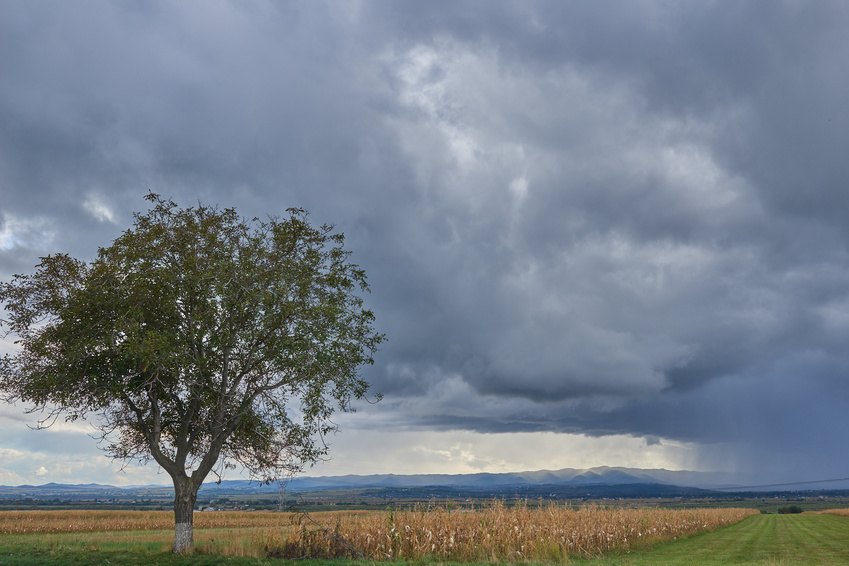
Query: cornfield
[(27, 522), (495, 532), (498, 533)]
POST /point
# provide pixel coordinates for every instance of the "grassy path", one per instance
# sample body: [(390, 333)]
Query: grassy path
[(783, 540)]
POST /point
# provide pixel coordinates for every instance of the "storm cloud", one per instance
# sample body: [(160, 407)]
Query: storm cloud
[(603, 219)]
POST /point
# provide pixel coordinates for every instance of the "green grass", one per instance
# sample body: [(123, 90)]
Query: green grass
[(762, 540), (785, 540), (97, 549)]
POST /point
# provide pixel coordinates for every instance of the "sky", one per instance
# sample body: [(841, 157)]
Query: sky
[(596, 233)]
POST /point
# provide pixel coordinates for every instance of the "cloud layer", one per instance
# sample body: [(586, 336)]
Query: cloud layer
[(612, 219)]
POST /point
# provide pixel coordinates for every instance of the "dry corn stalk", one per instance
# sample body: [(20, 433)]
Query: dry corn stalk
[(25, 522), (499, 533)]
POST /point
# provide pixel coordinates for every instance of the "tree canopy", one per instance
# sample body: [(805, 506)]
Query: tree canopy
[(197, 339)]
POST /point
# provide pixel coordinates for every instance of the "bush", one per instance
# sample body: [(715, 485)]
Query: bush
[(790, 510)]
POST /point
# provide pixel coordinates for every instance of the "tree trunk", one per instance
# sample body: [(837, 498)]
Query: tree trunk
[(185, 495)]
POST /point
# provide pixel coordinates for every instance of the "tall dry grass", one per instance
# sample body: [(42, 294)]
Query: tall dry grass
[(498, 533), (843, 512), (27, 522)]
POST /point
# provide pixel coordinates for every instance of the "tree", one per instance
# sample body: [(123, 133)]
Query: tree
[(199, 340)]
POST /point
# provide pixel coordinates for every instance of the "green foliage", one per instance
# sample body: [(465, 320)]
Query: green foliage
[(196, 338), (790, 510)]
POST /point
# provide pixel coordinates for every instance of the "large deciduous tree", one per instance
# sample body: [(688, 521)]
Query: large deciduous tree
[(197, 339)]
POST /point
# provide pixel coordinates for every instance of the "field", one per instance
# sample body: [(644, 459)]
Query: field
[(761, 540), (438, 535)]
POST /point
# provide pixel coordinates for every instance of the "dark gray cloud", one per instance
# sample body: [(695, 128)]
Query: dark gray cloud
[(601, 218)]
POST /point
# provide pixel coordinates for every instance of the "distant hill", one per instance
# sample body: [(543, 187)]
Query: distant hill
[(564, 480), (568, 476)]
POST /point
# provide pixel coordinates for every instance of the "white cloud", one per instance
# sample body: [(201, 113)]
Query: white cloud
[(96, 206), (457, 452), (30, 232), (8, 477), (64, 453), (519, 188)]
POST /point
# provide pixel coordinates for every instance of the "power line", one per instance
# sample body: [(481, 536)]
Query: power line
[(744, 487)]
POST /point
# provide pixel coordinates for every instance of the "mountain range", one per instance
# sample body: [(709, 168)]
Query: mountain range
[(567, 477), (480, 481)]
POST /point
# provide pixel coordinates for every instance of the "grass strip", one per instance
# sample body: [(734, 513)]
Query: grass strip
[(760, 540), (148, 548)]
